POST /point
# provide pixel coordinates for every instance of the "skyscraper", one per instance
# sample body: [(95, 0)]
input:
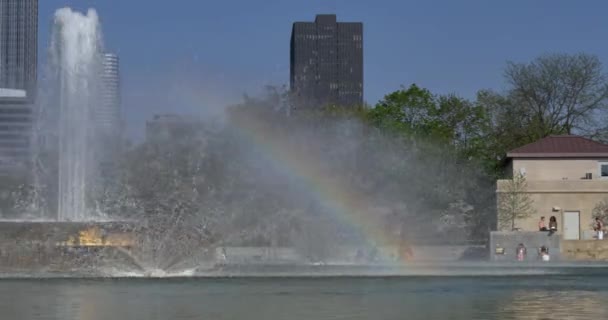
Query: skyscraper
[(326, 62), (108, 113), (108, 119), (18, 75)]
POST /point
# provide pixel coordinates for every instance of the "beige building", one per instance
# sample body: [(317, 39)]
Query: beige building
[(567, 176)]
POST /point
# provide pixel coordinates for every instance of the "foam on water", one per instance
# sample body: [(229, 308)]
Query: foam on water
[(154, 273), (456, 269)]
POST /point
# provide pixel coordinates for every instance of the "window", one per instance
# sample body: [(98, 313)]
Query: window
[(603, 169)]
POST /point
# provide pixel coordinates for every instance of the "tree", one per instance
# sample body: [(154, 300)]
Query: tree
[(600, 211), (559, 93), (513, 202), (442, 134), (553, 94), (444, 119), (507, 129), (406, 110)]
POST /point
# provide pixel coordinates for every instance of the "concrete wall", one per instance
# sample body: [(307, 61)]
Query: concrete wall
[(580, 196), (557, 169), (509, 241), (560, 183), (255, 254), (585, 250), (342, 254)]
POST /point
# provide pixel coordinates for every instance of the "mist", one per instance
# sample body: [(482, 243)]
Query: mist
[(261, 174), (246, 170)]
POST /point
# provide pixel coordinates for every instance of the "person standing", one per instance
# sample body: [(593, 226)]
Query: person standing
[(521, 252), (599, 228)]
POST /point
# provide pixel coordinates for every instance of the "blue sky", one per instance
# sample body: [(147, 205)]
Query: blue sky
[(213, 51)]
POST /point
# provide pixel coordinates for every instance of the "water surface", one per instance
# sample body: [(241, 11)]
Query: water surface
[(489, 297)]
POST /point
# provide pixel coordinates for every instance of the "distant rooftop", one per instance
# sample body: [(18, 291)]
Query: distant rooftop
[(12, 93), (173, 117), (564, 146), (324, 19)]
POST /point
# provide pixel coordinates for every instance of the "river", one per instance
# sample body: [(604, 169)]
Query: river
[(550, 296)]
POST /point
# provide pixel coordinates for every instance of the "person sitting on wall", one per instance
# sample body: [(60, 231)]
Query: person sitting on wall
[(541, 225), (598, 227), (552, 225)]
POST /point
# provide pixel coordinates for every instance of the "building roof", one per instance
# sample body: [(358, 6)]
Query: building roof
[(566, 146), (12, 93)]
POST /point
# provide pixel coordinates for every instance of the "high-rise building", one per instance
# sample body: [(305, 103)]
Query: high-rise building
[(326, 62), (109, 113), (18, 78)]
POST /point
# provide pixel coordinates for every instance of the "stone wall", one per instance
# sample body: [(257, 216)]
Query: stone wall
[(346, 254), (585, 250), (507, 242)]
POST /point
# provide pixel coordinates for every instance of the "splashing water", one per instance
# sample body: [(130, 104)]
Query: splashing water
[(75, 52)]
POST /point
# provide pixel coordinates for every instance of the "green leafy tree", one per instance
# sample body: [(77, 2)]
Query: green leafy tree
[(406, 110), (447, 119)]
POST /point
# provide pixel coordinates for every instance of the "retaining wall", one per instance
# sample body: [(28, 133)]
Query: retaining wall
[(346, 253), (507, 242), (585, 250)]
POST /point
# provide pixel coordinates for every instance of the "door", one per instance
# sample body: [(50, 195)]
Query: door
[(571, 225)]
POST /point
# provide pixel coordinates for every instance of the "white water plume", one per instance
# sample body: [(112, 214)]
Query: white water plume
[(76, 54)]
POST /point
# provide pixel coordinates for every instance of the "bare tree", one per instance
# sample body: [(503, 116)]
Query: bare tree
[(513, 202), (600, 211), (560, 93)]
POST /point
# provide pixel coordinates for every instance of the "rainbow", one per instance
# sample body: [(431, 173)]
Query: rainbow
[(348, 206)]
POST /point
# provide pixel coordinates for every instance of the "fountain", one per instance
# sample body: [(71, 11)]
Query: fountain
[(78, 235), (75, 86), (177, 227), (76, 52)]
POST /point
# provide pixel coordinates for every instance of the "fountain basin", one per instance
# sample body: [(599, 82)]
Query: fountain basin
[(64, 233), (35, 245)]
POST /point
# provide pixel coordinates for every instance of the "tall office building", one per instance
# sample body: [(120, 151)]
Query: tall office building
[(18, 78), (108, 119), (108, 113), (327, 62)]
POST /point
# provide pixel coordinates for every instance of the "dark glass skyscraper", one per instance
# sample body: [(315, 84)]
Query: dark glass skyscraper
[(19, 44), (327, 62), (18, 78)]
